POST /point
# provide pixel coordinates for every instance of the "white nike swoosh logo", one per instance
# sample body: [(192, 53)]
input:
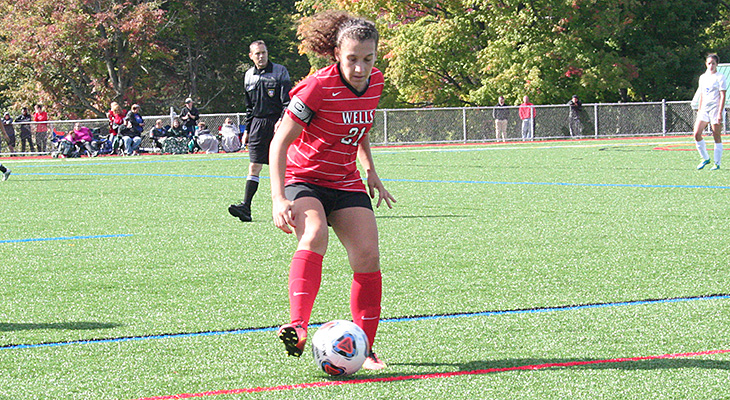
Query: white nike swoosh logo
[(335, 93), (369, 318), (299, 293)]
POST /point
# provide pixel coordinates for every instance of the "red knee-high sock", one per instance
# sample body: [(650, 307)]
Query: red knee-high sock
[(305, 276), (367, 290)]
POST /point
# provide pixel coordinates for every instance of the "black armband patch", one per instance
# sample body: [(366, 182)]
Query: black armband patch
[(298, 108)]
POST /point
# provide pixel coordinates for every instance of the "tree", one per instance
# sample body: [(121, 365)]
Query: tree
[(78, 55), (212, 43), (467, 52)]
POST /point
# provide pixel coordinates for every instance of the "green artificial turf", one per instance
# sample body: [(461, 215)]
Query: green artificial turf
[(147, 248)]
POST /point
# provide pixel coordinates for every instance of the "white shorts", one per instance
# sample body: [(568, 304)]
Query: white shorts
[(709, 115)]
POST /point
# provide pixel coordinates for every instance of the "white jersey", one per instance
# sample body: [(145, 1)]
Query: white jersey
[(710, 86)]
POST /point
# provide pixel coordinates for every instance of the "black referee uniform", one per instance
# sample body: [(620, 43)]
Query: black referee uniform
[(266, 96)]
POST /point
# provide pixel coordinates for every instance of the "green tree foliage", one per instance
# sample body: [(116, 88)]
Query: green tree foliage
[(211, 43), (468, 52), (78, 55)]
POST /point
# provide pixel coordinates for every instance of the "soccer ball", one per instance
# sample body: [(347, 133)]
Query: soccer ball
[(340, 347)]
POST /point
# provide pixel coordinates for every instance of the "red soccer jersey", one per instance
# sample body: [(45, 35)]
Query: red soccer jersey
[(335, 119)]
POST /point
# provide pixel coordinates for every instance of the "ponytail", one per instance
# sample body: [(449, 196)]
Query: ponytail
[(323, 32)]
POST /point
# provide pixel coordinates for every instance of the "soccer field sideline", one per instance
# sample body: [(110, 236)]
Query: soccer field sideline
[(531, 367), (240, 331)]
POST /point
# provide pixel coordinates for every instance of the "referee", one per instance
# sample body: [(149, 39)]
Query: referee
[(267, 95)]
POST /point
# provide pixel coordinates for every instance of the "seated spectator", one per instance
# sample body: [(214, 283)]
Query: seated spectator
[(83, 137), (66, 147), (158, 134), (205, 140), (177, 141), (176, 130), (132, 137), (230, 141)]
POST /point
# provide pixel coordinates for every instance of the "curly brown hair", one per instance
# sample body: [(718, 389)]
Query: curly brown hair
[(325, 31)]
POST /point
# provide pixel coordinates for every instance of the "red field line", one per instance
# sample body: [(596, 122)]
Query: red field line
[(431, 376)]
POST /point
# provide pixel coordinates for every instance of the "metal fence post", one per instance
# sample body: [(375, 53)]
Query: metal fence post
[(463, 122), (385, 126), (595, 120), (664, 117)]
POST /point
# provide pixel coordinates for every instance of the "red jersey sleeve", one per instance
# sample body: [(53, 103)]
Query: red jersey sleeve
[(306, 100)]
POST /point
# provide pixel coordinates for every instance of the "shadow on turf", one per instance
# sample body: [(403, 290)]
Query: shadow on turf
[(422, 216), (71, 326), (656, 364)]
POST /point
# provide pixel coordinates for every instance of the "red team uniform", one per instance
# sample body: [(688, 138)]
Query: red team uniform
[(335, 119)]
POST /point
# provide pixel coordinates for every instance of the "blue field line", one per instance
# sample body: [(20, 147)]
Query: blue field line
[(560, 308), (120, 162), (384, 320), (64, 238), (133, 174), (629, 185), (634, 185)]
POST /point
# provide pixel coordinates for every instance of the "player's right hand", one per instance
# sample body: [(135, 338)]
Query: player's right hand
[(282, 214)]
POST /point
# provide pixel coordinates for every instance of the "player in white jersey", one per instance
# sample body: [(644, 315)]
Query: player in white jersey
[(713, 88)]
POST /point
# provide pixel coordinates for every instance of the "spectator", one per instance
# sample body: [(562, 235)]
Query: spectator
[(25, 135), (82, 137), (189, 116), (574, 123), (132, 136), (67, 146), (158, 134), (206, 141), (176, 130), (267, 88), (41, 130), (500, 114), (229, 133), (176, 141), (116, 125), (9, 132), (527, 115)]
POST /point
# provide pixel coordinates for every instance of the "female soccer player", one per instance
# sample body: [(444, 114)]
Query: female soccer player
[(314, 154), (713, 88)]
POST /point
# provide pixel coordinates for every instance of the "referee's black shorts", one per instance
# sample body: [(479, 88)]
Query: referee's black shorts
[(331, 199), (260, 133)]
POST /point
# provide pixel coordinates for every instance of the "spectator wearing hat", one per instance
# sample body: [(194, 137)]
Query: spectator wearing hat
[(189, 116), (574, 123)]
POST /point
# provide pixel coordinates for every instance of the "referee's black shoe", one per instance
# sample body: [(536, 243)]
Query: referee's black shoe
[(241, 211)]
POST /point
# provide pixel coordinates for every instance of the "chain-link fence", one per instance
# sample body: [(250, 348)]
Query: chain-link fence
[(435, 125), (42, 141), (444, 125)]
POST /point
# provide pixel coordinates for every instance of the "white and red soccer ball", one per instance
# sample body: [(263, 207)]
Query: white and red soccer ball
[(340, 347)]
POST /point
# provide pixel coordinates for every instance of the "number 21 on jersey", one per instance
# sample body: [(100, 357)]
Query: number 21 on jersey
[(354, 136)]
